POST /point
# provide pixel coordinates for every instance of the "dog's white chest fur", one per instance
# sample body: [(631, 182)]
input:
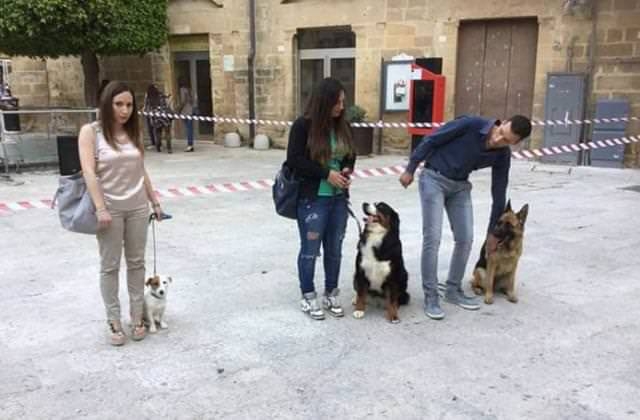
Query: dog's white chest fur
[(154, 304), (376, 271)]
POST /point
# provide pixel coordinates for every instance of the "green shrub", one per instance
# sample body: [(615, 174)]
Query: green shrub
[(355, 113)]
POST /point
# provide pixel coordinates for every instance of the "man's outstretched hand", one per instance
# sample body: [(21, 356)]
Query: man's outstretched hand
[(406, 179)]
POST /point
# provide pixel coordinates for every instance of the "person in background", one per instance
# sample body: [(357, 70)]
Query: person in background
[(158, 102), (152, 92), (186, 108)]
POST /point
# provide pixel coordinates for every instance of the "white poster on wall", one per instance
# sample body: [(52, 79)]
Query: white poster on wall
[(396, 86)]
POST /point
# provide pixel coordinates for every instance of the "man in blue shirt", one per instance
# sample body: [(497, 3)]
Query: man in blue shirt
[(450, 155)]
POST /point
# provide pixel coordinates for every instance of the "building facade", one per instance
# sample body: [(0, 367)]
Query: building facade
[(496, 56)]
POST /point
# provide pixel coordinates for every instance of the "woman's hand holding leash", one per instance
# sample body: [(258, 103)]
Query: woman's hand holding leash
[(157, 211), (338, 179), (346, 173)]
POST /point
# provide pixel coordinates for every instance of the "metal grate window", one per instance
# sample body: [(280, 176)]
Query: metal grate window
[(5, 71), (327, 37)]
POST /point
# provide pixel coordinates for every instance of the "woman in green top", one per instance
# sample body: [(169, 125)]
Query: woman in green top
[(321, 153)]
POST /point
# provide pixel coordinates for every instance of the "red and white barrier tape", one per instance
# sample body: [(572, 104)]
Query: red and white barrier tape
[(522, 154), (192, 191), (377, 124), (569, 148), (8, 208)]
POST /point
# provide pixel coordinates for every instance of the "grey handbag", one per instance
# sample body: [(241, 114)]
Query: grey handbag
[(76, 210)]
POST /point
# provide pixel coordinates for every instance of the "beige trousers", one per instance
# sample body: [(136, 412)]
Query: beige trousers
[(128, 230)]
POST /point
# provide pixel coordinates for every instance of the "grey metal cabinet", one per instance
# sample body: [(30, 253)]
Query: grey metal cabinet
[(564, 101), (612, 156)]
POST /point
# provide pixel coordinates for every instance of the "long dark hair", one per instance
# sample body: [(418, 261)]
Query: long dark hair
[(324, 97), (106, 115)]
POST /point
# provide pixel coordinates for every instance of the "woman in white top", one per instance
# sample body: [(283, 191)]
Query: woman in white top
[(112, 160)]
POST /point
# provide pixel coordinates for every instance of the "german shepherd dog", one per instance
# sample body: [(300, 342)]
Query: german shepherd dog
[(380, 270), (496, 268)]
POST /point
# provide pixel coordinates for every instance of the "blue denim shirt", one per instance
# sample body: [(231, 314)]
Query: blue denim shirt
[(460, 147)]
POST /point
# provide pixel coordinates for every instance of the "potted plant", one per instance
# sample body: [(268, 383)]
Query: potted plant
[(362, 136)]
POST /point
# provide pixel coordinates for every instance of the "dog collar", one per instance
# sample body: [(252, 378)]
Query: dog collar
[(156, 296)]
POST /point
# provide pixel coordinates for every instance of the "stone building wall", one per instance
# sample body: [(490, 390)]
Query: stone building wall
[(383, 29)]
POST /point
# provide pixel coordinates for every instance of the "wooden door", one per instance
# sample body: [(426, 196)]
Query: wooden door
[(496, 67)]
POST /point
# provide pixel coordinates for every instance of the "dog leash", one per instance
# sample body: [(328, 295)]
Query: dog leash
[(152, 221), (352, 214)]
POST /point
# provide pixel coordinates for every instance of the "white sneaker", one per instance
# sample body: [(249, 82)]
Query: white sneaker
[(309, 305), (331, 303)]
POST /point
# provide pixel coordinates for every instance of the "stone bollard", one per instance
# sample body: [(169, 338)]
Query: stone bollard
[(232, 140), (261, 142)]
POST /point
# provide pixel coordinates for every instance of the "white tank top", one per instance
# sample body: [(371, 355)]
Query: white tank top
[(121, 173)]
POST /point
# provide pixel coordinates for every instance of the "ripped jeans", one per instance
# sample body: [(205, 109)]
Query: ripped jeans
[(322, 220)]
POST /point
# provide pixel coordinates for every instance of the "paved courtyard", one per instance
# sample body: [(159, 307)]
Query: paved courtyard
[(238, 347)]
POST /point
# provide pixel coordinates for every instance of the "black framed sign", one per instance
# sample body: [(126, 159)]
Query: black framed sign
[(397, 75)]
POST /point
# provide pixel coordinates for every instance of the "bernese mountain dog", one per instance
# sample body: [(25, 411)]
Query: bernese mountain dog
[(380, 270)]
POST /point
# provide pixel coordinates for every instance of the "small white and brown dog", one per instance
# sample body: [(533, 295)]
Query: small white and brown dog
[(155, 301)]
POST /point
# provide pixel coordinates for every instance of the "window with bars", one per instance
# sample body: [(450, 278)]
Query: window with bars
[(5, 71)]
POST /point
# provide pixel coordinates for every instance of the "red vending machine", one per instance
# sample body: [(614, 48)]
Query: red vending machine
[(426, 101)]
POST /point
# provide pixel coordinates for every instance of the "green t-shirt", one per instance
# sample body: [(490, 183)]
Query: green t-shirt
[(326, 189)]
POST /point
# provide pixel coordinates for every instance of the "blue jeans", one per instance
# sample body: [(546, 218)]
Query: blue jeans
[(322, 220), (188, 125), (436, 194)]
